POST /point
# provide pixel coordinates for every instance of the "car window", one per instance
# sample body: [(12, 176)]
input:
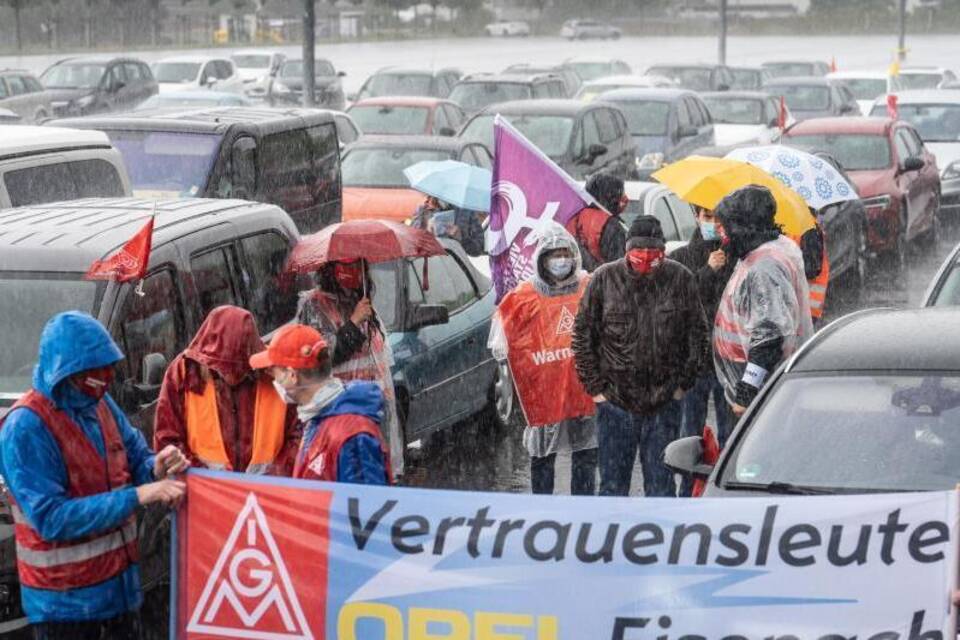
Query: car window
[(132, 70), (450, 285), (152, 322), (212, 275), (683, 214), (33, 85), (621, 68), (854, 152), (481, 157), (661, 210), (697, 116), (224, 70), (440, 121), (63, 181), (3, 88), (900, 144), (556, 89), (606, 126), (208, 73), (272, 298), (913, 141), (346, 131), (683, 115), (591, 132), (286, 164), (948, 293), (705, 116), (384, 279), (117, 74), (454, 115), (145, 73), (541, 90), (326, 158), (16, 84)]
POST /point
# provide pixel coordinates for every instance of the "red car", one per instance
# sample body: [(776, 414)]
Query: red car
[(893, 171), (407, 116)]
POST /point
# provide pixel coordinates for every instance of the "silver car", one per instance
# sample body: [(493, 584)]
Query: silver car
[(22, 93)]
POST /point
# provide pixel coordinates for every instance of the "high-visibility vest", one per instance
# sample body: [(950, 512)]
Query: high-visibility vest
[(205, 437), (92, 559), (818, 287), (539, 332), (367, 362), (317, 460)]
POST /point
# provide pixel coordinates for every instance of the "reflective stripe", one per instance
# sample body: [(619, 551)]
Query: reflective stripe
[(78, 552), (818, 288), (17, 514)]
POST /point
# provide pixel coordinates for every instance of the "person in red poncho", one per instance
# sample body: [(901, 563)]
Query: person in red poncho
[(217, 410)]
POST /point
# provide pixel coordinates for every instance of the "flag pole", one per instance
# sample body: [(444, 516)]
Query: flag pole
[(139, 290)]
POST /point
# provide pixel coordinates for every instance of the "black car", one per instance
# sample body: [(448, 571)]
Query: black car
[(285, 86), (289, 157), (583, 138), (696, 77), (89, 85), (394, 81), (475, 92), (869, 404)]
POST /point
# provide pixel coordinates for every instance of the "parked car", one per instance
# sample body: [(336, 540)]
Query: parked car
[(590, 90), (677, 218), (289, 158), (589, 29), (96, 84), (191, 73), (869, 404), (666, 124), (867, 86), (256, 65), (944, 289), (193, 100), (9, 117), (571, 79), (42, 164), (22, 93), (594, 67), (373, 182), (407, 116), (749, 78), (895, 175), (476, 92), (696, 77), (936, 117), (582, 139), (796, 68), (917, 77), (393, 81), (507, 28), (285, 87), (744, 117), (811, 97)]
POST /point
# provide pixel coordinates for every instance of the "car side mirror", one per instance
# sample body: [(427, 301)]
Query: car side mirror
[(116, 86), (686, 456), (341, 74), (427, 315), (913, 163), (688, 131), (447, 131)]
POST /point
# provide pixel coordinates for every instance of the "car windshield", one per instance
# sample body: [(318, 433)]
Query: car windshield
[(385, 119), (948, 292), (165, 164), (735, 110), (693, 78), (934, 122), (251, 61), (73, 76), (474, 96), (550, 133), (294, 69), (383, 167), (875, 433), (645, 117), (803, 97), (866, 88), (746, 79), (29, 300), (854, 152), (176, 71), (590, 70), (398, 84), (787, 69), (914, 80)]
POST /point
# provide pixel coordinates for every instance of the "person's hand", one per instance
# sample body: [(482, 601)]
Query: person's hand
[(679, 393), (167, 492), (738, 409), (599, 398), (170, 461), (362, 312), (717, 260)]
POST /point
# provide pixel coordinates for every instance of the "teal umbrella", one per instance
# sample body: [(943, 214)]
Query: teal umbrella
[(456, 183)]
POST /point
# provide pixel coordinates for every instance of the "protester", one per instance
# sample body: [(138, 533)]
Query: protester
[(816, 266), (341, 423), (600, 233), (639, 342), (217, 410), (463, 226), (530, 320), (340, 309), (709, 263), (764, 313), (75, 472)]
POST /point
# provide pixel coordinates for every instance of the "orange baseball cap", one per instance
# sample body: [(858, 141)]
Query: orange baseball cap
[(294, 345)]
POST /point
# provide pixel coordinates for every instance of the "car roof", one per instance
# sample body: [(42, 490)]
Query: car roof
[(847, 124), (809, 81), (191, 58), (27, 139), (679, 65), (591, 60), (191, 119), (870, 74), (770, 63), (736, 95), (659, 94), (885, 340), (254, 52), (928, 96), (68, 236), (745, 68), (197, 95), (920, 68), (438, 143), (400, 101), (633, 78), (506, 78), (540, 106), (94, 59), (411, 71)]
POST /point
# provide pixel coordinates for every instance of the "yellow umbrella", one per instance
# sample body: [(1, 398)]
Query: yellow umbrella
[(705, 181)]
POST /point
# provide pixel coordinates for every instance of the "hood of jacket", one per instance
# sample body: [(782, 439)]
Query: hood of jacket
[(358, 398), (554, 236), (225, 342), (72, 342)]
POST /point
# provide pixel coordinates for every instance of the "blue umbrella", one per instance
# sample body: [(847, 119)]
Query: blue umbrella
[(456, 183)]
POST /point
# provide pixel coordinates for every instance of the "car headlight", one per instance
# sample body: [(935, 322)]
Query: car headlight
[(650, 161), (952, 172), (877, 204)]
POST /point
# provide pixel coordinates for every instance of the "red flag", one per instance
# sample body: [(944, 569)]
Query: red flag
[(833, 64), (892, 111), (129, 263), (782, 115)]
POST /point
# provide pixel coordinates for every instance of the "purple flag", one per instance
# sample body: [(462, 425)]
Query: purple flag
[(529, 190)]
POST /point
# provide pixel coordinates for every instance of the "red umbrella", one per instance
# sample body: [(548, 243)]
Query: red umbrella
[(369, 240)]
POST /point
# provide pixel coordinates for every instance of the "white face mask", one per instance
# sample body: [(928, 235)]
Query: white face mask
[(283, 393), (559, 268)]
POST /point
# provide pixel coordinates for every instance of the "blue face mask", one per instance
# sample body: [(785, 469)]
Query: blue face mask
[(709, 231)]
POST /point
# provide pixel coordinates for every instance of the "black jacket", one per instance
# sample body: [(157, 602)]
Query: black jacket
[(711, 283), (637, 339)]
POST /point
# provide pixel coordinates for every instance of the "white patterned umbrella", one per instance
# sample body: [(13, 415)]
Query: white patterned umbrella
[(813, 178)]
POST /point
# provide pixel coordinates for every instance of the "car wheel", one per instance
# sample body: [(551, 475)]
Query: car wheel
[(503, 394)]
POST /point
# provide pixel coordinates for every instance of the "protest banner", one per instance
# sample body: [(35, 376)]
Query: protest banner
[(276, 559)]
